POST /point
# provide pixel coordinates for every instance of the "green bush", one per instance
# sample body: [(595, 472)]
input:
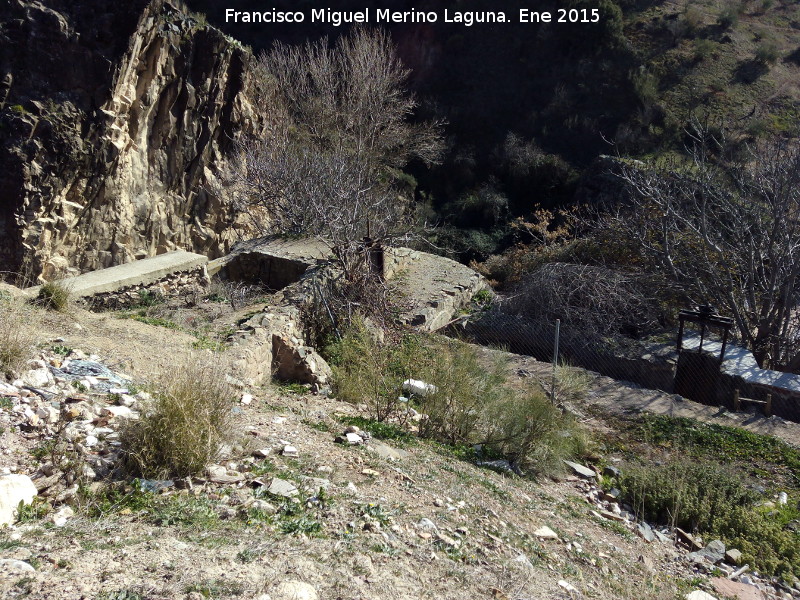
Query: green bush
[(690, 496), (372, 373), (472, 403), (704, 497), (692, 18), (703, 49), (531, 432), (182, 429), (465, 391), (150, 298), (729, 16), (54, 295)]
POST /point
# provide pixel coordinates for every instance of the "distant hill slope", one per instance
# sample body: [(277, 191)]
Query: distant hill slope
[(530, 106)]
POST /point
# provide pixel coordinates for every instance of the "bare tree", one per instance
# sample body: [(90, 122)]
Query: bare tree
[(727, 232), (592, 301), (340, 134)]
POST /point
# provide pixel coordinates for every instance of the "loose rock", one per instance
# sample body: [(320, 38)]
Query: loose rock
[(294, 590), (14, 489)]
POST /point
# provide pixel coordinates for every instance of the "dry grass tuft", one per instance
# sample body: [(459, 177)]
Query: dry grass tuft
[(17, 336), (182, 429), (54, 295)]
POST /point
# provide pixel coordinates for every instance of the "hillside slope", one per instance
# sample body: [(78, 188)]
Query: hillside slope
[(398, 518)]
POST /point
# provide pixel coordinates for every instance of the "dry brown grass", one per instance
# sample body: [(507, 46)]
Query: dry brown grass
[(17, 335), (54, 295), (182, 429)]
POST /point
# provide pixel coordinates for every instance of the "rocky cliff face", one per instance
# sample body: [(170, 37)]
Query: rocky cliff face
[(115, 119)]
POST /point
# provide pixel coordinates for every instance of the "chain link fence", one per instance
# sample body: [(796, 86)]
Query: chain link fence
[(697, 375)]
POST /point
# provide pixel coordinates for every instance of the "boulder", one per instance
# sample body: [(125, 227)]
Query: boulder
[(738, 591), (714, 552), (294, 362), (14, 488), (580, 470)]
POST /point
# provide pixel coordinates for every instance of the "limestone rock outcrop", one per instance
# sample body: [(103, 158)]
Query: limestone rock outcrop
[(115, 122)]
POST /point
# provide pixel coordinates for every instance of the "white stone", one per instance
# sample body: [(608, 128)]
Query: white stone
[(524, 561), (38, 378), (585, 472), (48, 414), (13, 490), (246, 399), (567, 586), (545, 533), (283, 488), (117, 411), (699, 595), (354, 439), (294, 590), (62, 515), (127, 400), (6, 389), (426, 525), (419, 388), (15, 566), (290, 451)]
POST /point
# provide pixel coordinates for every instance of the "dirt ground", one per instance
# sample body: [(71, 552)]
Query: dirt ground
[(427, 526)]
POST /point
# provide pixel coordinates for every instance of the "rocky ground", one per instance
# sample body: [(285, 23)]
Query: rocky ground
[(303, 504)]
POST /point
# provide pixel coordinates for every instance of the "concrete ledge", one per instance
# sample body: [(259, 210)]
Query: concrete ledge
[(140, 272)]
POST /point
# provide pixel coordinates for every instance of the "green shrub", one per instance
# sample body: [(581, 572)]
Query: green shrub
[(531, 432), (372, 373), (471, 405), (692, 18), (54, 295), (182, 429), (719, 442), (690, 496), (729, 16), (646, 86), (465, 389), (571, 383), (703, 49), (150, 298), (704, 497)]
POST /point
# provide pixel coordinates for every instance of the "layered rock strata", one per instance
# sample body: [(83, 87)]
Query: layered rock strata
[(115, 121)]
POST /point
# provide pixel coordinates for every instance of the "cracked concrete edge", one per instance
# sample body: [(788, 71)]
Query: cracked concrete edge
[(140, 272)]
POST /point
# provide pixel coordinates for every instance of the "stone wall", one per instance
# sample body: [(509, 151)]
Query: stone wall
[(186, 284)]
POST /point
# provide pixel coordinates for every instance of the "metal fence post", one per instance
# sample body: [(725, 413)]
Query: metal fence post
[(555, 362)]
